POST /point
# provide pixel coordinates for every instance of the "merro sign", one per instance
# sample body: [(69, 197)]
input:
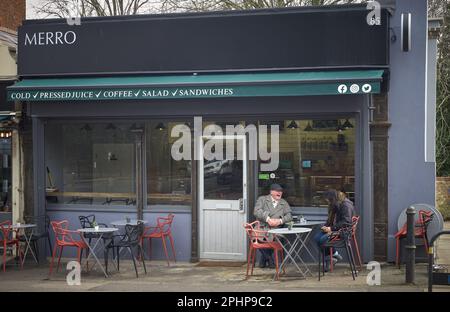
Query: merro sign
[(50, 38)]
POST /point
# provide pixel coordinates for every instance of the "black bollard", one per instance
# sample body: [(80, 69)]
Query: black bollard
[(410, 246)]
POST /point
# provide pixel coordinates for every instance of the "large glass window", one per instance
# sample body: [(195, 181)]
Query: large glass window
[(314, 155), (90, 163), (168, 180)]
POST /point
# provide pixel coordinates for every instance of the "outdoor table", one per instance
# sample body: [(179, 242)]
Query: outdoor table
[(24, 226), (313, 225), (101, 231), (291, 249)]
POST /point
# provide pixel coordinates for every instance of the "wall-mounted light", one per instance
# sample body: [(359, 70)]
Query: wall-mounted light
[(160, 127), (86, 127), (308, 127), (406, 32), (347, 125), (292, 125)]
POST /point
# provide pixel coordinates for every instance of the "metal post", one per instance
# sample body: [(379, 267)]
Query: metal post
[(410, 246)]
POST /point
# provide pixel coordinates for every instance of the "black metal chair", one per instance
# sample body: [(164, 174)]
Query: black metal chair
[(339, 239), (131, 240), (42, 231)]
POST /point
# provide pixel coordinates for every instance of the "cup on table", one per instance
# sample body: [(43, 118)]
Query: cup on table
[(18, 223), (96, 227), (128, 220)]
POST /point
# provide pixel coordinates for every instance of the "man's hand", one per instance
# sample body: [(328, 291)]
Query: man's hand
[(274, 222)]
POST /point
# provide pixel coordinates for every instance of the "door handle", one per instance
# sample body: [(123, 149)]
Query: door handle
[(242, 204)]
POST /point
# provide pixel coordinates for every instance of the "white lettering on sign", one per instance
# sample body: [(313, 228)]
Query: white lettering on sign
[(51, 38)]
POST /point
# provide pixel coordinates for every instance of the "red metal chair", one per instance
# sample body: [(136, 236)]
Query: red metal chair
[(420, 230), (355, 220), (63, 238), (7, 239), (259, 240), (163, 230)]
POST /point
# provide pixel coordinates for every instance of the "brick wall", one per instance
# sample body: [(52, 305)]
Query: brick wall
[(12, 12), (443, 196)]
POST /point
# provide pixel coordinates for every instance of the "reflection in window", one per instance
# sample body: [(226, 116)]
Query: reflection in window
[(5, 173), (168, 180), (315, 155), (90, 163), (222, 179)]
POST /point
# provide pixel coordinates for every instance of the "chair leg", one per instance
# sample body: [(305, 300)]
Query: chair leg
[(163, 238), (173, 248), (59, 258), (78, 255), (141, 251), (320, 260), (106, 254), (253, 260), (331, 259), (49, 244), (350, 260), (4, 255), (249, 256), (118, 258), (355, 242), (53, 259), (134, 261), (397, 252), (36, 250), (352, 255), (18, 251)]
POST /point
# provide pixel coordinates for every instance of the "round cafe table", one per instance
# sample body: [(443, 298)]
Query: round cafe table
[(293, 249), (101, 231)]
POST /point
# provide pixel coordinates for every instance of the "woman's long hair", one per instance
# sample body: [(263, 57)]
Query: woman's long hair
[(335, 199)]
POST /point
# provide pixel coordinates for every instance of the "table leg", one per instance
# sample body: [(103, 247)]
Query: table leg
[(92, 252), (28, 246), (289, 249), (302, 243)]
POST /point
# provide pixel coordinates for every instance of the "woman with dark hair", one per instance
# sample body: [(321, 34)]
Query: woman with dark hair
[(340, 213)]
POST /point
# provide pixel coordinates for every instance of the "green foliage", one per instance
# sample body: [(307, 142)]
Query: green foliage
[(443, 99)]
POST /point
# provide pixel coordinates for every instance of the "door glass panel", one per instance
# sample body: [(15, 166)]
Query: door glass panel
[(222, 176)]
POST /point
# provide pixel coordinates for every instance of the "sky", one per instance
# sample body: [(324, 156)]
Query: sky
[(31, 14)]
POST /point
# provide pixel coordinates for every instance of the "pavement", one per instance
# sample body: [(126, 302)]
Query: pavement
[(188, 277)]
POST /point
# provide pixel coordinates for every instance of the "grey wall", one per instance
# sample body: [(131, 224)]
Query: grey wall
[(411, 179), (181, 230)]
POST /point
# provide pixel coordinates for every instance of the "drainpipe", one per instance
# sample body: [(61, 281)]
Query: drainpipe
[(410, 246)]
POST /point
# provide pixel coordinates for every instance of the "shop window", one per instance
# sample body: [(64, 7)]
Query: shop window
[(314, 155), (168, 180), (90, 164)]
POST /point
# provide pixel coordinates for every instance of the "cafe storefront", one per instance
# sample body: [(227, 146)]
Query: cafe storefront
[(123, 109)]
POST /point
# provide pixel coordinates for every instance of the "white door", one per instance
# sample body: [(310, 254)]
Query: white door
[(222, 200)]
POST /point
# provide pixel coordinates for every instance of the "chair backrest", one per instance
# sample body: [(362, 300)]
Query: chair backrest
[(134, 232), (42, 222), (165, 223), (5, 230), (254, 232), (87, 221), (425, 217), (61, 234), (355, 220)]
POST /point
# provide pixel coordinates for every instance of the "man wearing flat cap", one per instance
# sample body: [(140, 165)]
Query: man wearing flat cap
[(272, 211)]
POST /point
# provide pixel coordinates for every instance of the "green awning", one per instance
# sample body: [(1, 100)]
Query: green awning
[(198, 86)]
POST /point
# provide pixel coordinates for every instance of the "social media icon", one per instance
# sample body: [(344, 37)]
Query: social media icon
[(366, 88), (272, 175), (342, 89), (354, 88)]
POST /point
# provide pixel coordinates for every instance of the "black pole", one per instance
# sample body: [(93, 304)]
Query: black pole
[(410, 246)]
